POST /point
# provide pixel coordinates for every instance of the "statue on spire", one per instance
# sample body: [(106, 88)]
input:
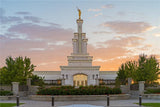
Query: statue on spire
[(79, 11)]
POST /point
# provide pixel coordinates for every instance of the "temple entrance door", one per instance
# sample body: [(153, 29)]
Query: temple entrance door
[(80, 80)]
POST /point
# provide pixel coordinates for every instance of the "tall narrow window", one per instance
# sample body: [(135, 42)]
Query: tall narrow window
[(97, 76), (66, 76), (77, 83), (63, 76), (93, 76)]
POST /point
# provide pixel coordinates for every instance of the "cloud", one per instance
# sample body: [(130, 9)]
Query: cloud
[(57, 43), (94, 10), (18, 19), (2, 37), (35, 31), (99, 60), (37, 49), (23, 13), (107, 6), (127, 27), (115, 49), (32, 18), (148, 45), (157, 35), (102, 32), (40, 40), (9, 19), (31, 40), (112, 53), (123, 42), (121, 13), (98, 14)]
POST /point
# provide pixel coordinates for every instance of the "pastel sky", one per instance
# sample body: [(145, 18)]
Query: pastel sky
[(117, 30)]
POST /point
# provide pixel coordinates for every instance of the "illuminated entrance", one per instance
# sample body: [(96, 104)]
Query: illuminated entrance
[(80, 80)]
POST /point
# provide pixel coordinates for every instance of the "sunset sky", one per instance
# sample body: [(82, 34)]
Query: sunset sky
[(117, 30)]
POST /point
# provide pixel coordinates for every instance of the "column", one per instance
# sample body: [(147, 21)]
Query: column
[(141, 87), (79, 22), (29, 82), (63, 82), (29, 85), (129, 83), (97, 81), (15, 88)]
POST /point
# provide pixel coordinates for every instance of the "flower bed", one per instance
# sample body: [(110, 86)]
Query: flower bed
[(87, 90)]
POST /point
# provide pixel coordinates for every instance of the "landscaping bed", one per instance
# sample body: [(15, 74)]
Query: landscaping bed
[(87, 90), (5, 95)]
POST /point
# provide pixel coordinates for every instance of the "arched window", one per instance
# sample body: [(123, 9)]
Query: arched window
[(97, 76), (63, 76), (66, 76)]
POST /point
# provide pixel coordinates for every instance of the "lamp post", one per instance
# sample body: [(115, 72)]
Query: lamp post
[(17, 100), (107, 99)]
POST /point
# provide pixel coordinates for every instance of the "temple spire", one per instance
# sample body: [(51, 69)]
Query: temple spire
[(79, 41)]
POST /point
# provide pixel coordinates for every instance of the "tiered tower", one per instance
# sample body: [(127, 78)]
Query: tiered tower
[(80, 70)]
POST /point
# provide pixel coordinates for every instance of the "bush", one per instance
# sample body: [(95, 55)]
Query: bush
[(36, 80), (152, 91), (5, 93), (116, 91), (82, 90)]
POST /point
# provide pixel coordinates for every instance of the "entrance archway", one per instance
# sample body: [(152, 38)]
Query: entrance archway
[(80, 80)]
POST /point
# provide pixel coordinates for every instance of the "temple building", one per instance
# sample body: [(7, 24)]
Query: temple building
[(79, 71)]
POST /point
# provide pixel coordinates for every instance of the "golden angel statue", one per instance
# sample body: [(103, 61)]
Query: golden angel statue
[(79, 11)]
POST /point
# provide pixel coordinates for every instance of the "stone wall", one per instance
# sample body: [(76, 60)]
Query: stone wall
[(124, 88), (151, 96), (33, 90), (6, 87), (79, 97)]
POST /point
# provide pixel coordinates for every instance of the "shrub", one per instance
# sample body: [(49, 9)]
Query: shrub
[(82, 90), (152, 91), (36, 80), (116, 91), (5, 93)]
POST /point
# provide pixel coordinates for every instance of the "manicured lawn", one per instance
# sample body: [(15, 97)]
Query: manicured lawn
[(7, 104), (151, 104)]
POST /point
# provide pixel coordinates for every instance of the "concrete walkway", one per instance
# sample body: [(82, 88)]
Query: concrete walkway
[(113, 103)]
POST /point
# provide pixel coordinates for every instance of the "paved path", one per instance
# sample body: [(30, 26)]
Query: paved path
[(113, 103)]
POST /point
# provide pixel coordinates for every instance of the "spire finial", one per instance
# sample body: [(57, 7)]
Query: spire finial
[(79, 11)]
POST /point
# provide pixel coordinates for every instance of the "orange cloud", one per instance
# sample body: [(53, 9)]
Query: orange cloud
[(127, 27)]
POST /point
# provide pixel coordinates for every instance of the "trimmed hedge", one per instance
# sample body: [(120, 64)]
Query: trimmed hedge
[(5, 93), (87, 90), (152, 91)]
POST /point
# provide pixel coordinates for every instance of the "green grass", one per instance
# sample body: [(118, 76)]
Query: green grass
[(8, 104), (151, 104)]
